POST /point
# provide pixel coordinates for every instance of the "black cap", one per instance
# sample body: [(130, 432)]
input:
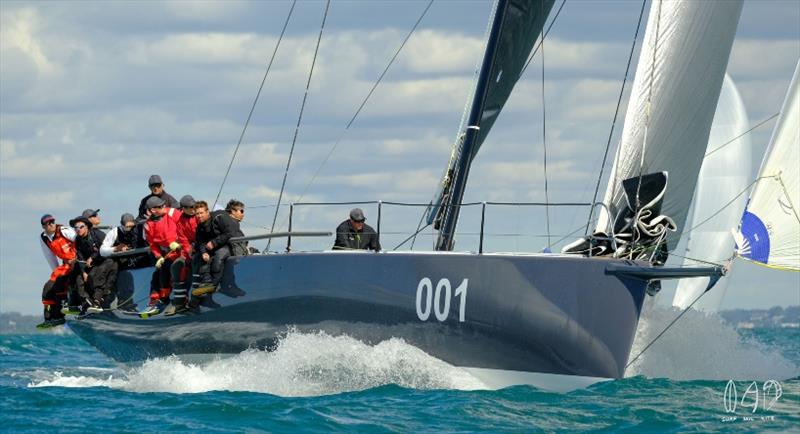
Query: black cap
[(126, 218), (154, 202), (154, 179), (88, 212), (187, 201), (47, 218), (80, 219), (356, 214)]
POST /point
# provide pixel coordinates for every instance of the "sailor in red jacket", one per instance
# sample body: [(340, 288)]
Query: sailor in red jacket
[(58, 242), (161, 232), (181, 268)]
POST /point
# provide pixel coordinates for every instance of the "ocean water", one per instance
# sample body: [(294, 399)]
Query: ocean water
[(320, 383)]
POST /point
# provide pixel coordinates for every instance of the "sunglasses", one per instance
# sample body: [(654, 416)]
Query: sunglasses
[(156, 185), (51, 222), (79, 227), (239, 210)]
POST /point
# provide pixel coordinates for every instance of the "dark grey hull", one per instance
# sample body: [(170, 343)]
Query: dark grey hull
[(549, 314)]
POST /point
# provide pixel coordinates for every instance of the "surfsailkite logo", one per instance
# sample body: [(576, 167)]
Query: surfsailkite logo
[(755, 396)]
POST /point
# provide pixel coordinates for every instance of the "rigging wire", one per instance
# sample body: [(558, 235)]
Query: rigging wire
[(544, 141), (299, 119), (616, 114), (255, 101), (363, 103), (740, 135), (541, 41)]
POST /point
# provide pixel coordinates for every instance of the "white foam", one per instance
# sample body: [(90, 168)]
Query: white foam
[(701, 346), (303, 364)]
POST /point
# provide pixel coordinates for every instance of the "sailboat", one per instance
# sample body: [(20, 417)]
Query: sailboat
[(718, 200), (555, 321), (769, 232)]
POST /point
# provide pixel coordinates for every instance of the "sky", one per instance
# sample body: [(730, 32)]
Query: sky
[(97, 96)]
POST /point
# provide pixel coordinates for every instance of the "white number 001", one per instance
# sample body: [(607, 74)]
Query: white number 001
[(439, 299)]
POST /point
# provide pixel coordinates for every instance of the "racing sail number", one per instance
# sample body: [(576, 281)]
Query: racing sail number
[(438, 300)]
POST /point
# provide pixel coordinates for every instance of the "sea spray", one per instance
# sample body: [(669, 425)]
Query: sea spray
[(303, 364), (702, 346)]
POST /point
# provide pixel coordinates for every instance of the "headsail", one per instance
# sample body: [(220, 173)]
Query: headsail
[(515, 28), (726, 172), (678, 81), (770, 229)]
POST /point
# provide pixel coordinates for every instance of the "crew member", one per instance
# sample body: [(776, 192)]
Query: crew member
[(123, 238), (162, 234), (181, 269), (354, 234), (94, 218), (98, 276), (156, 189), (212, 246), (57, 242)]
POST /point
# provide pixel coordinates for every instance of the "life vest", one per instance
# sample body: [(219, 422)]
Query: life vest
[(162, 232), (60, 245)]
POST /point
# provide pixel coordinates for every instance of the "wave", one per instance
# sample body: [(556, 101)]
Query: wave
[(701, 346), (303, 364)]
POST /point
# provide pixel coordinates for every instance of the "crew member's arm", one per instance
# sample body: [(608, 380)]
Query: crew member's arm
[(107, 248), (341, 242), (51, 258), (224, 231), (153, 246)]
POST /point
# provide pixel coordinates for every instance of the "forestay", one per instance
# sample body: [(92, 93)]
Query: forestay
[(726, 173), (677, 85), (770, 229)]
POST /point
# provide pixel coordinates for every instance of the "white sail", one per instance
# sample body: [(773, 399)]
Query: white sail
[(726, 172), (678, 81), (769, 233)]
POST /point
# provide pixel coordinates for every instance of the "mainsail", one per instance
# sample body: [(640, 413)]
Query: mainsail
[(515, 28), (678, 81), (769, 233), (726, 173)]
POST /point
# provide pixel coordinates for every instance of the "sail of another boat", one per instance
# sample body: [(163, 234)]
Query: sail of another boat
[(769, 232)]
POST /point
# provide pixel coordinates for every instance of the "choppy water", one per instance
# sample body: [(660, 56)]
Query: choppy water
[(315, 382)]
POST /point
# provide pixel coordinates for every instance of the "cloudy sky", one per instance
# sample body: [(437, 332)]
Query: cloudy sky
[(97, 96)]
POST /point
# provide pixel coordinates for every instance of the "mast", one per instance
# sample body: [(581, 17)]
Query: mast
[(515, 27)]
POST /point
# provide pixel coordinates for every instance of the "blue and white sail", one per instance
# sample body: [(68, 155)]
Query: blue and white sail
[(671, 108), (726, 172), (769, 233)]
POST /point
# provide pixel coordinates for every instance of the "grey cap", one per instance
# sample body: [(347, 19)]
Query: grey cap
[(154, 179), (187, 201), (88, 212), (356, 214), (127, 217), (154, 202)]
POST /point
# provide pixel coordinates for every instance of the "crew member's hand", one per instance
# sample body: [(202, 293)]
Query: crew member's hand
[(206, 257), (71, 261), (160, 262), (174, 246), (85, 277), (210, 245), (89, 262)]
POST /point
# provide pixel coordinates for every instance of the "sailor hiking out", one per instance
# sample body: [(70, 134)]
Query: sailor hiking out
[(58, 243)]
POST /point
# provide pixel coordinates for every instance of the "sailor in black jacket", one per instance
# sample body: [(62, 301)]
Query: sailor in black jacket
[(156, 189), (98, 275), (354, 234)]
